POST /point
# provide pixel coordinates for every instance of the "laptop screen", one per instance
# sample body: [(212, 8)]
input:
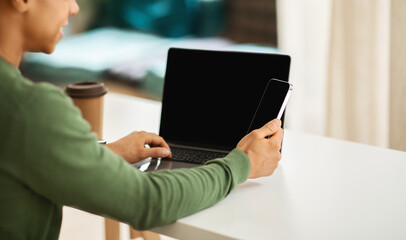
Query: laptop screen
[(210, 97)]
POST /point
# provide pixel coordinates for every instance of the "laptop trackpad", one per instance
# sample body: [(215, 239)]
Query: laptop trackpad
[(153, 164)]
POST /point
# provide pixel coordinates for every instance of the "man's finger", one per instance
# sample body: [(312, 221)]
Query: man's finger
[(270, 128), (155, 141), (158, 152), (277, 137)]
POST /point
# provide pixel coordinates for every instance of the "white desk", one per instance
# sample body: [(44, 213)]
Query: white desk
[(323, 189)]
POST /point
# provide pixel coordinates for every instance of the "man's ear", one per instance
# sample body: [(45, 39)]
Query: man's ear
[(20, 5)]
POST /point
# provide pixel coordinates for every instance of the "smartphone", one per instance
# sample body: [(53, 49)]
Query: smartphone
[(272, 103)]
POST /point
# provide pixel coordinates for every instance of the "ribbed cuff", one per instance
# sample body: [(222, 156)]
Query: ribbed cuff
[(239, 164)]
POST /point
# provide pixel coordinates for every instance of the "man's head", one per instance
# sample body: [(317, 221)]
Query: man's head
[(36, 25)]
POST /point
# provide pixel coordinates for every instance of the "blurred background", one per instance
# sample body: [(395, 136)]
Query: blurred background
[(347, 56), (347, 61)]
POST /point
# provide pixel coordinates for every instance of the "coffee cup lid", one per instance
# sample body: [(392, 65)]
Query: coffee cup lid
[(86, 89)]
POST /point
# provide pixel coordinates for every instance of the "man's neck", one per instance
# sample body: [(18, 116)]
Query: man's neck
[(11, 48), (13, 60), (11, 42)]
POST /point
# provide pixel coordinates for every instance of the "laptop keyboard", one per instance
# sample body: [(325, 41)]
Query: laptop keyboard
[(194, 156)]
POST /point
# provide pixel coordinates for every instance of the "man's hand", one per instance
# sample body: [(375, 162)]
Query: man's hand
[(133, 147), (263, 152)]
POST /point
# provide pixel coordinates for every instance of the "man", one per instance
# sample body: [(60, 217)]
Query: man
[(49, 158)]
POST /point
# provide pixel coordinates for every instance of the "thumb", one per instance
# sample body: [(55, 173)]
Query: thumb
[(270, 128), (158, 152)]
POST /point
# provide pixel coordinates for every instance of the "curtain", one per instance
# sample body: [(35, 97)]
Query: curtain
[(358, 80), (348, 68), (303, 33), (398, 76)]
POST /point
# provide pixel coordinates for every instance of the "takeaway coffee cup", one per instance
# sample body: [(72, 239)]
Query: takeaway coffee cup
[(89, 98)]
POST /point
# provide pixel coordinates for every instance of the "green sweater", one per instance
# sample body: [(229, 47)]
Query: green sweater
[(49, 158)]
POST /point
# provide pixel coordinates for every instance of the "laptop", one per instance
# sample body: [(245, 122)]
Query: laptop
[(210, 98)]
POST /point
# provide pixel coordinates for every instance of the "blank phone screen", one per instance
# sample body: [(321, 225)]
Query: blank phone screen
[(270, 103)]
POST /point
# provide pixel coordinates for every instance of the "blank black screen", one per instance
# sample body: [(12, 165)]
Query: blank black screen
[(270, 103), (210, 97)]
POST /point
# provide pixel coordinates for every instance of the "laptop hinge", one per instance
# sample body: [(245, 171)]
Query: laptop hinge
[(197, 148)]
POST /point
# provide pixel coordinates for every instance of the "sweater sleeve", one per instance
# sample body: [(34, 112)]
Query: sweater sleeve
[(64, 163)]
